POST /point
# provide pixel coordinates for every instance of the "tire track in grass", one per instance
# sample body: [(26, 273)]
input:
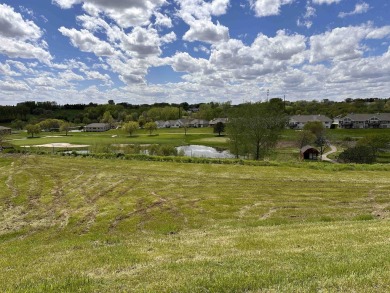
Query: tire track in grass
[(11, 186), (145, 211), (379, 210)]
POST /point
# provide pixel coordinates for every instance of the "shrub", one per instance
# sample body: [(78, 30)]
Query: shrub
[(358, 154)]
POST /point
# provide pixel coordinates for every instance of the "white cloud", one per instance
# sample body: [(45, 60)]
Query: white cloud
[(125, 13), (12, 25), (69, 75), (200, 9), (206, 31), (66, 4), (163, 20), (183, 62), (268, 7), (320, 2), (13, 86), (142, 42), (306, 18), (359, 9), (197, 14), (5, 69), (21, 38), (87, 42), (343, 43), (131, 71), (21, 49)]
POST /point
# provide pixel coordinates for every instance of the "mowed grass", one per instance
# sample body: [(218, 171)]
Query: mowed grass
[(171, 136), (88, 225)]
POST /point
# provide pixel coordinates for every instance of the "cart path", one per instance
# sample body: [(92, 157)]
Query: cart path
[(324, 157)]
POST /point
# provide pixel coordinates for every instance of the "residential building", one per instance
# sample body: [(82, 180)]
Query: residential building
[(299, 121), (379, 120), (97, 127), (199, 123), (216, 120)]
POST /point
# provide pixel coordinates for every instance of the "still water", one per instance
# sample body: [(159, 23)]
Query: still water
[(201, 151)]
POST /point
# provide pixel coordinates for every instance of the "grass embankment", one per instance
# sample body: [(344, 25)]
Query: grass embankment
[(88, 225)]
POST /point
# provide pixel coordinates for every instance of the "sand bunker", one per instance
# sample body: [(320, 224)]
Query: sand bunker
[(59, 145)]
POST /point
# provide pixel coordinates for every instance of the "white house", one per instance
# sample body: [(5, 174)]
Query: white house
[(299, 121), (97, 127), (379, 120)]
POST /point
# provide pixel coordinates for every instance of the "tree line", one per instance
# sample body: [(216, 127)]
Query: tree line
[(33, 112)]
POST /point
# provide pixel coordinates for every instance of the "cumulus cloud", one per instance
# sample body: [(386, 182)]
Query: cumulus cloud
[(200, 9), (5, 69), (183, 62), (12, 25), (206, 31), (359, 9), (320, 2), (343, 43), (125, 13), (268, 7), (21, 38), (305, 20), (13, 86), (163, 20), (20, 49), (87, 42), (144, 42), (197, 14)]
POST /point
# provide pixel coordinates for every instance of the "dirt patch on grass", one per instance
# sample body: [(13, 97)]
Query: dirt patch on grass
[(58, 145)]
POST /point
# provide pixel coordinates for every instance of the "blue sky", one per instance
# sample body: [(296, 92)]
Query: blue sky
[(146, 51)]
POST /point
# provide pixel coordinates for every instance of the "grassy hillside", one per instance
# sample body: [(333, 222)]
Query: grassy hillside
[(81, 224)]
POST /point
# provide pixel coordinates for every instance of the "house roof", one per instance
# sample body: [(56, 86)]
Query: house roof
[(365, 117), (97, 125), (199, 121), (309, 118), (216, 120)]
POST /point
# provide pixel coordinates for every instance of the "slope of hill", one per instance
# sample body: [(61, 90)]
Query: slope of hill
[(88, 225)]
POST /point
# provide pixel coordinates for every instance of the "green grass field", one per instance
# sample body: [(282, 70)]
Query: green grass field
[(88, 225)]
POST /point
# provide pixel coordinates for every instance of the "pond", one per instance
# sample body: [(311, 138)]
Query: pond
[(201, 151)]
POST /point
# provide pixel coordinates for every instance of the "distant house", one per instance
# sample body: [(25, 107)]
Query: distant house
[(216, 120), (173, 123), (379, 120), (199, 123), (309, 153), (299, 121), (97, 127), (5, 130), (160, 123)]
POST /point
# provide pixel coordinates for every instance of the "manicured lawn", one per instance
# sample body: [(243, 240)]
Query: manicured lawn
[(172, 136), (89, 225)]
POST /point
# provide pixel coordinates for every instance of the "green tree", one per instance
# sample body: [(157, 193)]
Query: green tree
[(237, 144), (130, 127), (50, 124), (17, 124), (141, 121), (305, 137), (107, 118), (359, 154), (256, 128), (219, 127), (33, 129), (319, 130), (65, 127), (150, 126), (375, 142)]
